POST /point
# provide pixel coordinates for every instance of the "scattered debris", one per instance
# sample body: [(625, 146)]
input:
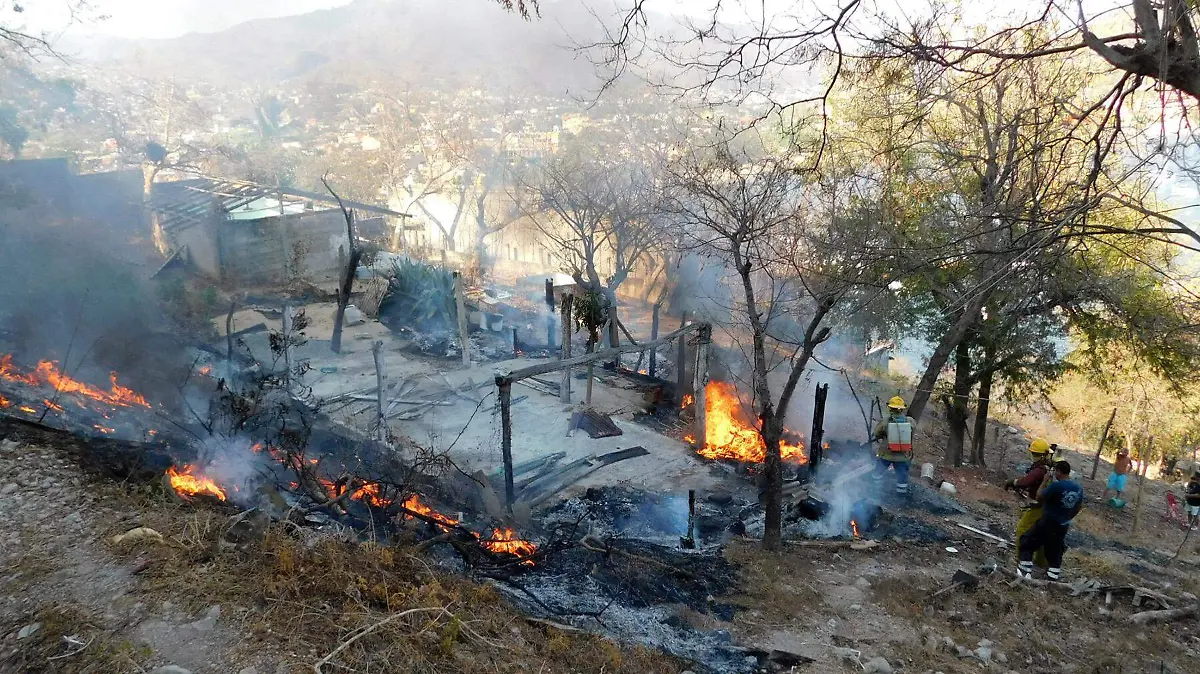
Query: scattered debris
[(136, 535), (29, 630), (598, 425)]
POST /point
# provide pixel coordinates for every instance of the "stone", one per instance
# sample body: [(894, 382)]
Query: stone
[(719, 498), (8, 489), (248, 670), (862, 583), (856, 607), (209, 621), (170, 669), (846, 654), (877, 665), (29, 630), (7, 446)]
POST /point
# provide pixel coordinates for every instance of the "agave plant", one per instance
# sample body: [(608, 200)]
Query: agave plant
[(419, 296)]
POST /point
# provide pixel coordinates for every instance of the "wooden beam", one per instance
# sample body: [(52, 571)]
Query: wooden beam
[(681, 365), (564, 388), (700, 372), (1103, 439), (553, 365), (505, 387), (653, 337), (380, 391), (460, 306)]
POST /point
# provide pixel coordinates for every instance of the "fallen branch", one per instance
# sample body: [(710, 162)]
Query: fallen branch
[(985, 534), (1169, 615), (371, 628)]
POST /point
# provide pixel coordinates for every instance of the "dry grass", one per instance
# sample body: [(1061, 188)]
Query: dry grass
[(309, 594), (70, 642), (773, 591)]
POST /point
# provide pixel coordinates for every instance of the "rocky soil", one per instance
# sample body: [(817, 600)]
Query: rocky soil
[(66, 596)]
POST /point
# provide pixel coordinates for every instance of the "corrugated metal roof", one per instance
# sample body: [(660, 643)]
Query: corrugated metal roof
[(184, 203)]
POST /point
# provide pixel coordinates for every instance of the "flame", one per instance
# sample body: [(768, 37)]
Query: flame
[(204, 370), (104, 429), (414, 504), (506, 541), (188, 483), (688, 399), (854, 528), (54, 406), (27, 409), (4, 402), (729, 437), (47, 372)]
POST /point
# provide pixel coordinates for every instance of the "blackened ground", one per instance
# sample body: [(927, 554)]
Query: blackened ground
[(640, 575)]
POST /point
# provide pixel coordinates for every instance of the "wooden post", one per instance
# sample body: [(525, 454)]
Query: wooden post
[(505, 386), (287, 347), (680, 365), (700, 422), (515, 349), (1103, 439), (816, 439), (549, 314), (460, 306), (1137, 509), (654, 336), (587, 400), (565, 383), (229, 335), (614, 335), (381, 390)]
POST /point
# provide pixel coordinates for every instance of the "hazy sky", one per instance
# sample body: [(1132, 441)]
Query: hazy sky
[(161, 18), (171, 18)]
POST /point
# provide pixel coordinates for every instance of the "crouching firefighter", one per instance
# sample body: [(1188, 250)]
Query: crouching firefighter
[(894, 438), (1027, 487)]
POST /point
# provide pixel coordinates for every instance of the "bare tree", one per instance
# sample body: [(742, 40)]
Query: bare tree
[(794, 257), (599, 210)]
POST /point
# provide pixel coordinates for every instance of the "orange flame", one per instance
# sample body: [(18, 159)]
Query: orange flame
[(688, 400), (729, 437), (204, 370), (4, 402), (27, 409), (47, 372), (188, 483), (54, 406), (414, 504), (104, 429), (506, 541), (854, 528)]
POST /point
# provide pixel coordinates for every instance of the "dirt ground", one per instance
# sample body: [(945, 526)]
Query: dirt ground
[(191, 598)]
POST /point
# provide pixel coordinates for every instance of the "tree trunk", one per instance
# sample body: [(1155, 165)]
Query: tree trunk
[(941, 355), (956, 408), (772, 494), (979, 441)]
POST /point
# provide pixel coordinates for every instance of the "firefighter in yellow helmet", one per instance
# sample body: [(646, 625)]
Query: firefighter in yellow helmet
[(1026, 486), (893, 437)]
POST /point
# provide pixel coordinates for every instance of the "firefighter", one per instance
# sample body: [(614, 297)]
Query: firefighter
[(894, 435), (1061, 499), (1027, 487)]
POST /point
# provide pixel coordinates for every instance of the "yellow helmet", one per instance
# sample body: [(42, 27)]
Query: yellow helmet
[(1039, 446), (896, 403)]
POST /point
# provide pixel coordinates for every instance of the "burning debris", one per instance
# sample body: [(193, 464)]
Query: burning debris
[(731, 436), (187, 483), (47, 374)]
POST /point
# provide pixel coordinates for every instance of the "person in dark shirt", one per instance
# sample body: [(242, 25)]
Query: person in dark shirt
[(1192, 499), (1061, 499)]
